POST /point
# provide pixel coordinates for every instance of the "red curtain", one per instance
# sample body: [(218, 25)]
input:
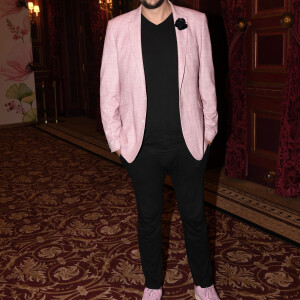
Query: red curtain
[(98, 25), (54, 20), (287, 180), (236, 159), (54, 9)]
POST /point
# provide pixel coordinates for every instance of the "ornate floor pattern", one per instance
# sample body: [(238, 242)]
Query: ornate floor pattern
[(68, 231), (274, 217)]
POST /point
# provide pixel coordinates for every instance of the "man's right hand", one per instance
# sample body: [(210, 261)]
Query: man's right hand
[(118, 152)]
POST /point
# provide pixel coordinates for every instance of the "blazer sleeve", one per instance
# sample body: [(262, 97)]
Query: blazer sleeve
[(207, 84), (110, 90)]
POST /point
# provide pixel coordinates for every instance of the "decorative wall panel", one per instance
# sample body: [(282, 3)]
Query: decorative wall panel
[(267, 126), (17, 85), (269, 4), (269, 50)]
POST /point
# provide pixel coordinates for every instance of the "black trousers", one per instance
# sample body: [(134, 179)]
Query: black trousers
[(147, 172)]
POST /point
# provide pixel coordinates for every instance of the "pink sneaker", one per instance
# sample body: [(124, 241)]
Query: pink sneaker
[(208, 293), (150, 294)]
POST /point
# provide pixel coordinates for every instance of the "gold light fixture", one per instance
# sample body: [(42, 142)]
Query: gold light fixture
[(107, 6), (30, 6), (34, 11)]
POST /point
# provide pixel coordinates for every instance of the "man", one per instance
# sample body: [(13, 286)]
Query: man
[(158, 108)]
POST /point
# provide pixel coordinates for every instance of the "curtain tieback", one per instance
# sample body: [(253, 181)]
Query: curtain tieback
[(236, 39)]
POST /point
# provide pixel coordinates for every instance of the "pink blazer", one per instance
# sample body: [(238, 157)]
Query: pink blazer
[(123, 98)]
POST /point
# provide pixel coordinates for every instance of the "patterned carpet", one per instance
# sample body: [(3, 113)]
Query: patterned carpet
[(68, 231), (275, 217)]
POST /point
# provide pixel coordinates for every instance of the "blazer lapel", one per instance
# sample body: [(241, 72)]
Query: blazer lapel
[(134, 28), (182, 41)]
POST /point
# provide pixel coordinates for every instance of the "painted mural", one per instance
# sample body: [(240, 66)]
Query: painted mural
[(17, 86)]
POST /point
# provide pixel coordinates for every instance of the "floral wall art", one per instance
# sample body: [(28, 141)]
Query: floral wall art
[(17, 85)]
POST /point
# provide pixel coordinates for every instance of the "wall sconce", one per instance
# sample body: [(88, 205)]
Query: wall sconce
[(107, 6), (33, 11), (36, 9)]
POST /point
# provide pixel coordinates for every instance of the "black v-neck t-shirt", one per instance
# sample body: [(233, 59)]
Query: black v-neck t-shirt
[(159, 47)]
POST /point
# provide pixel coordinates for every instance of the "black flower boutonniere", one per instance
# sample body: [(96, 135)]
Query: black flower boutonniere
[(181, 24)]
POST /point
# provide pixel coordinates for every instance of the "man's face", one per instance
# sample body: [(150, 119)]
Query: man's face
[(151, 4)]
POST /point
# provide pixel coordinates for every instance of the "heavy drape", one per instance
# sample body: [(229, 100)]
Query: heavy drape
[(54, 17), (287, 180), (98, 25), (236, 160)]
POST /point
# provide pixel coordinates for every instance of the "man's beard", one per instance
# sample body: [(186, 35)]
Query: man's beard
[(152, 6)]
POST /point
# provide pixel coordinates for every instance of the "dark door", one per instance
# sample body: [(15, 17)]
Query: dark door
[(267, 49)]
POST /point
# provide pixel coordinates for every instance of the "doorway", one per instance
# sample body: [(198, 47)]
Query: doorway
[(267, 50)]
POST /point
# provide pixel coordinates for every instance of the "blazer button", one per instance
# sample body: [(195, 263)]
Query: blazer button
[(145, 98), (143, 121)]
